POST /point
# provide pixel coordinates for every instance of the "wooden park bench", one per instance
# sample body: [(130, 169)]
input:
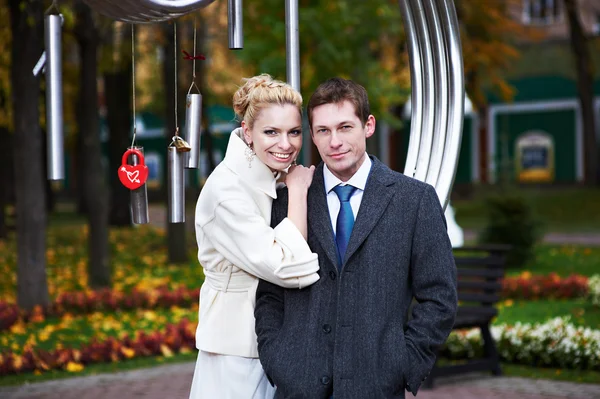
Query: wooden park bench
[(480, 271)]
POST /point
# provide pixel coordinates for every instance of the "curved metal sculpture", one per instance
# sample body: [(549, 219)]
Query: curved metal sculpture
[(437, 80), (146, 11), (432, 33)]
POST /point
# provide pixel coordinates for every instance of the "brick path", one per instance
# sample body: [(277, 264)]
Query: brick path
[(173, 382)]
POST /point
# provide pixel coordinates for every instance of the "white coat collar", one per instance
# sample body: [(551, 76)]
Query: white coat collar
[(259, 175)]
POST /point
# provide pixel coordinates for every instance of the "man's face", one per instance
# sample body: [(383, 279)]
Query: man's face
[(340, 137)]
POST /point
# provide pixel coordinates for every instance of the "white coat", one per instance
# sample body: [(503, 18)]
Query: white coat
[(237, 246)]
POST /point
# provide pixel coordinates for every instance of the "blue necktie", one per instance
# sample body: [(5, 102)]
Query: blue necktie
[(345, 220)]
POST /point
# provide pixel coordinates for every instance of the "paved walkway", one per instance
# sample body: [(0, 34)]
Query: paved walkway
[(173, 382)]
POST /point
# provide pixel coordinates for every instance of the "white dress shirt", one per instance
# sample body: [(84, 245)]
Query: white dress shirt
[(237, 246), (358, 180)]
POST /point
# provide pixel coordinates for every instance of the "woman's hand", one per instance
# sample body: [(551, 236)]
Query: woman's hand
[(298, 181), (299, 178)]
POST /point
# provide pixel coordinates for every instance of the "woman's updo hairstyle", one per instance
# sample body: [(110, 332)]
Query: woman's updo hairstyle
[(260, 91)]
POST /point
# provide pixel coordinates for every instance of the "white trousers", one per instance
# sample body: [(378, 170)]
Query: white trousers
[(229, 377)]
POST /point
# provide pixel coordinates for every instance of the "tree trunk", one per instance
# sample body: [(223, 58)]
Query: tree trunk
[(95, 195), (27, 26), (119, 120), (176, 240), (6, 180), (583, 61)]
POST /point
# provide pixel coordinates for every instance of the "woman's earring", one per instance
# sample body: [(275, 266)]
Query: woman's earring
[(249, 153)]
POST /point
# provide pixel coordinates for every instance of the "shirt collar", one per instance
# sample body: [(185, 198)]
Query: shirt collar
[(259, 175), (358, 180)]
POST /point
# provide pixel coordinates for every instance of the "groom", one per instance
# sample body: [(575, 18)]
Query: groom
[(381, 240)]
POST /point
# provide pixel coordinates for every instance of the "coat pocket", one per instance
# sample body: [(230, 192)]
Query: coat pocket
[(393, 362)]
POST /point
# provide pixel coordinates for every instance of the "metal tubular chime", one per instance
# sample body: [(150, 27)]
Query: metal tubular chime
[(437, 79), (138, 198), (51, 63), (193, 119), (175, 161), (292, 44), (235, 23)]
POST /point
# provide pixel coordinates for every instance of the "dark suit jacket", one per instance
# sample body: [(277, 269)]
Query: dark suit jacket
[(349, 333)]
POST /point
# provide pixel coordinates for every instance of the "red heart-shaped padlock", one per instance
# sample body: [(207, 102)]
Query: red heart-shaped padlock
[(133, 176)]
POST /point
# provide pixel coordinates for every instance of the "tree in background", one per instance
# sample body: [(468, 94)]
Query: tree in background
[(585, 87), (489, 37), (337, 38), (27, 24), (94, 187), (119, 114)]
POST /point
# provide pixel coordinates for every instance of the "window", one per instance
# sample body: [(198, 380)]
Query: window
[(542, 12)]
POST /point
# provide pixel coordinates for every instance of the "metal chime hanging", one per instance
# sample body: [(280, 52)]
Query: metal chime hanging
[(51, 63), (235, 23), (176, 182), (193, 117), (175, 162), (133, 171)]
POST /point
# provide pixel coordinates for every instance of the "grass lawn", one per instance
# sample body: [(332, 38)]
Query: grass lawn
[(582, 312), (562, 260), (561, 209)]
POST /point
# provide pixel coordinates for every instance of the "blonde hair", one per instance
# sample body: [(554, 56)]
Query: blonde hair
[(259, 92)]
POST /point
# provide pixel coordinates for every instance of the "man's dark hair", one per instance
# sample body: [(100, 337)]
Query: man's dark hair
[(336, 91)]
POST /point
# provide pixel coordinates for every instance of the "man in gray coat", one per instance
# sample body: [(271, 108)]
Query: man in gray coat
[(382, 241)]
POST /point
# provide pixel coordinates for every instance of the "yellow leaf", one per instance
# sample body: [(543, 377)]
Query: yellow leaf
[(18, 328), (17, 362), (166, 351), (127, 352), (73, 367)]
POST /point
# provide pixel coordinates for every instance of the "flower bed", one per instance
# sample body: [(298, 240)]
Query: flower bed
[(550, 286), (102, 300), (70, 342), (555, 343), (177, 338)]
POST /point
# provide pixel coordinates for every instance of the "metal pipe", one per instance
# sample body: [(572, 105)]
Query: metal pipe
[(54, 97), (138, 197), (416, 72), (456, 101), (441, 92), (176, 185), (193, 129), (292, 44), (235, 23), (428, 77)]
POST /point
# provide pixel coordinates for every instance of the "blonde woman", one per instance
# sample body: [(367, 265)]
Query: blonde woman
[(237, 246)]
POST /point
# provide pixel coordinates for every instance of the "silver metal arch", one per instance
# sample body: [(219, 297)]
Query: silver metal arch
[(437, 75), (437, 78)]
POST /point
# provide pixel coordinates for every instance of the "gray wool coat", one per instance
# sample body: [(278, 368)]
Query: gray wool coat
[(349, 334)]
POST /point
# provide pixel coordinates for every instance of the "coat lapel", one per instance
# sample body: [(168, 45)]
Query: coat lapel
[(377, 195), (318, 216)]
